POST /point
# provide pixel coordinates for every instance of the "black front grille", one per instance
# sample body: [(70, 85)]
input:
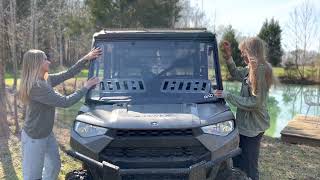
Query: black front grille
[(153, 133), (173, 148), (148, 152)]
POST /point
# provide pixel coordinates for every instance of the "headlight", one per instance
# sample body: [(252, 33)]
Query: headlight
[(221, 129), (88, 130)]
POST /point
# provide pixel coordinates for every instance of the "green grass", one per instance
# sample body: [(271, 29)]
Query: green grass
[(83, 73), (9, 77), (9, 81), (277, 160), (278, 71), (309, 72), (288, 161)]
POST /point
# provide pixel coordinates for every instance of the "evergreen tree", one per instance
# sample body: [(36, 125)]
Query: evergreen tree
[(271, 33), (230, 35), (134, 13)]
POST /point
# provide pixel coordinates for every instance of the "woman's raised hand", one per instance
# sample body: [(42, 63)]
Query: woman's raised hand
[(91, 82), (93, 54), (226, 50)]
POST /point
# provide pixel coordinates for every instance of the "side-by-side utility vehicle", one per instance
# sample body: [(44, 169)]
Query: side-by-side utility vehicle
[(154, 115)]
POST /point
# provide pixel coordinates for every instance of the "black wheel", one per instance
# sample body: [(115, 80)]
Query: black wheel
[(237, 174), (78, 175), (226, 172)]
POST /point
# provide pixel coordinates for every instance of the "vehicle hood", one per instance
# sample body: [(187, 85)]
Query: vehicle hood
[(153, 116)]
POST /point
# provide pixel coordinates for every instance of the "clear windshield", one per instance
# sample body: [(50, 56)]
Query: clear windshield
[(179, 71)]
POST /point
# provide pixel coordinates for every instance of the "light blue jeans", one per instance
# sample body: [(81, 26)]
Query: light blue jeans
[(40, 158)]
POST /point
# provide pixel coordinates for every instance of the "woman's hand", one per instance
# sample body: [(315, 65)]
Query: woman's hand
[(219, 93), (91, 82), (226, 50), (93, 54)]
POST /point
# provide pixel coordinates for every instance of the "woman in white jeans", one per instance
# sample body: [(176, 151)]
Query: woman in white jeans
[(40, 152)]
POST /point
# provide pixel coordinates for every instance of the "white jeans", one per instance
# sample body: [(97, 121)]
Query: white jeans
[(40, 158)]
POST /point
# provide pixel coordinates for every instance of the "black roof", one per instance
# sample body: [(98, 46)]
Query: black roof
[(156, 34)]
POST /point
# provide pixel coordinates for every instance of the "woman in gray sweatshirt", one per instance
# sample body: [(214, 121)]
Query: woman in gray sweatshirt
[(252, 116), (40, 154)]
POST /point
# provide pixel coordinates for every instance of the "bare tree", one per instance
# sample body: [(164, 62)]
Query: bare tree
[(4, 127), (185, 14), (60, 32), (13, 46), (192, 17), (303, 28), (61, 38), (317, 64), (34, 24)]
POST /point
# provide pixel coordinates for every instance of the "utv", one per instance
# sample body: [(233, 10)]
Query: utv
[(154, 115)]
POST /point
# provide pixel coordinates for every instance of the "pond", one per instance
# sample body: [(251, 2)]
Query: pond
[(285, 101)]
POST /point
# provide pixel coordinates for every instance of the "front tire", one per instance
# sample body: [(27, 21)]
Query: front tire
[(78, 175), (237, 174), (226, 172)]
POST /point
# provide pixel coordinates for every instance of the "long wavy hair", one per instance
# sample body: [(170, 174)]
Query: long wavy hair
[(242, 48), (256, 50), (31, 72)]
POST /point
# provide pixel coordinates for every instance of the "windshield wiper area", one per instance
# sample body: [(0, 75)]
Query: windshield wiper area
[(111, 100), (116, 98)]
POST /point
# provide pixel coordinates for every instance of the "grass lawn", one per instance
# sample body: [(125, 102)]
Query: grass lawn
[(308, 72), (9, 77), (278, 71), (9, 81), (277, 160)]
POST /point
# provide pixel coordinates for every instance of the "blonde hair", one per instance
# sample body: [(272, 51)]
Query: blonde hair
[(31, 72), (256, 50), (242, 45)]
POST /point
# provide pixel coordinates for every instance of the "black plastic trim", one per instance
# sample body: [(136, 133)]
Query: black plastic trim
[(208, 164)]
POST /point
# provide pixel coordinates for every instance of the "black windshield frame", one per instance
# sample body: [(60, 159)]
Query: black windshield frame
[(210, 40)]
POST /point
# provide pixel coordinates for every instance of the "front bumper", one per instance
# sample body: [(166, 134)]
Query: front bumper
[(113, 172)]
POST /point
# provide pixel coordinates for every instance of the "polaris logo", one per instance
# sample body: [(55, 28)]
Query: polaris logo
[(154, 115), (210, 95), (154, 124)]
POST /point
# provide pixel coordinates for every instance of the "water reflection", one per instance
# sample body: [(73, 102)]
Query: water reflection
[(284, 102)]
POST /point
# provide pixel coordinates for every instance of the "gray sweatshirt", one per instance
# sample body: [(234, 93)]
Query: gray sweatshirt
[(252, 111), (43, 100)]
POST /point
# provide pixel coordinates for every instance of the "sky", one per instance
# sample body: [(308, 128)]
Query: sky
[(247, 16)]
